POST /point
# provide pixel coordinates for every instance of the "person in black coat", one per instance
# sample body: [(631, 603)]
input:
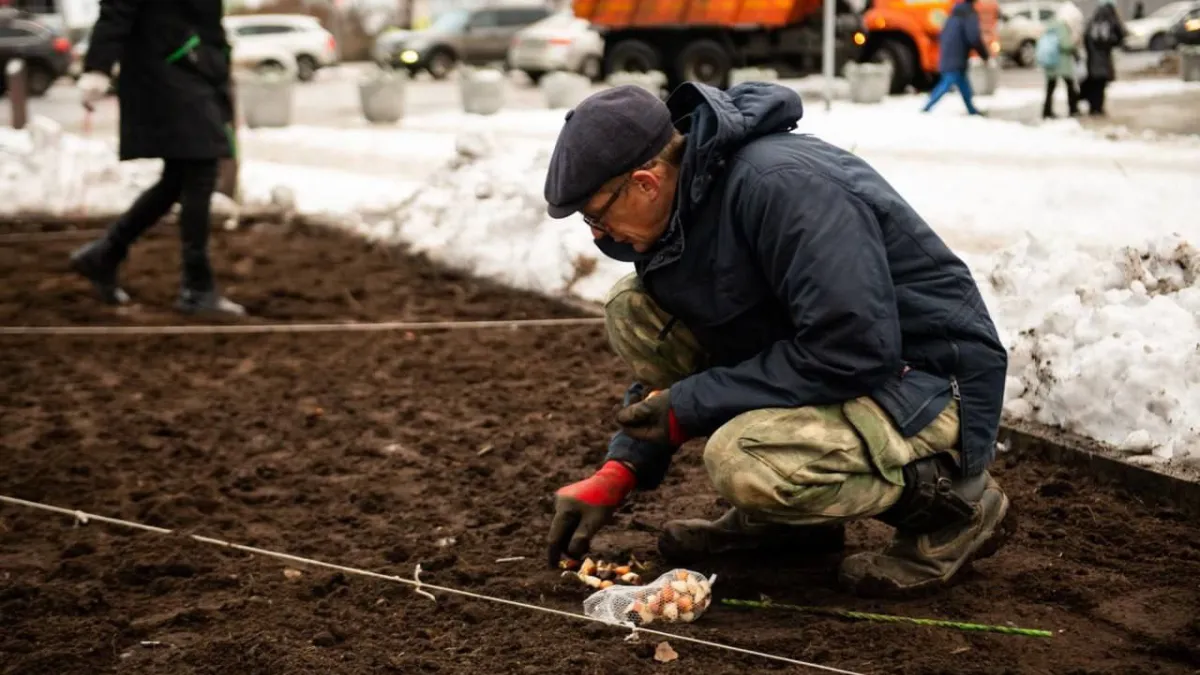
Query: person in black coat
[(788, 304), (175, 104), (1104, 33)]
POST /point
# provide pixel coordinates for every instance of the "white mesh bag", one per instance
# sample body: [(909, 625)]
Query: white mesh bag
[(678, 596)]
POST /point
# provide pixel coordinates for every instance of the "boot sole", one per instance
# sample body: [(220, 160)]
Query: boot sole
[(874, 587)]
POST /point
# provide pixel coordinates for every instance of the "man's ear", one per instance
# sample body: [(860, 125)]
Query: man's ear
[(646, 180)]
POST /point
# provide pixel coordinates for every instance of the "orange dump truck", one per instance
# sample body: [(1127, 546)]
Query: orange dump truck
[(703, 40), (905, 34)]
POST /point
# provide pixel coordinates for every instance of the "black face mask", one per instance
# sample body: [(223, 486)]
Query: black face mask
[(618, 251)]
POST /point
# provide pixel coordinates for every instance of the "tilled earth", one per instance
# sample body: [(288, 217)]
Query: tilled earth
[(385, 450)]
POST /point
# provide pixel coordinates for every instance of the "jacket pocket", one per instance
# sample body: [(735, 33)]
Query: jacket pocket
[(914, 399)]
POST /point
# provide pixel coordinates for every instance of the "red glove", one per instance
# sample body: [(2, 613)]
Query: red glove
[(582, 508)]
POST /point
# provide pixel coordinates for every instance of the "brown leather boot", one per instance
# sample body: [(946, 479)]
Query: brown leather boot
[(736, 531), (943, 523)]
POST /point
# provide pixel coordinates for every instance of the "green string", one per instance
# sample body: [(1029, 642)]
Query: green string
[(187, 47), (888, 618)]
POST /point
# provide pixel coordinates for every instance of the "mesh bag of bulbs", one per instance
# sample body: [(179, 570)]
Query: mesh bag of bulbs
[(678, 596)]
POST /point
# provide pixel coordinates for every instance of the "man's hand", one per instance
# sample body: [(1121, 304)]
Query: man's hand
[(582, 508), (652, 419), (94, 87)]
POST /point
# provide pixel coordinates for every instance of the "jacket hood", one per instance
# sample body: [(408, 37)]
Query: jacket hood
[(717, 123), (962, 9)]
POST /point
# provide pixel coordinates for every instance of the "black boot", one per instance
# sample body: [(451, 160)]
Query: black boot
[(199, 294), (943, 522), (737, 531), (208, 303), (98, 262)]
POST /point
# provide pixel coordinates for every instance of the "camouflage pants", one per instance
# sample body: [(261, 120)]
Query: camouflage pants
[(800, 466)]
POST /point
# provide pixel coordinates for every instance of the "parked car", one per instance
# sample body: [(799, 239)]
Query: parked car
[(1187, 31), (387, 45), (475, 36), (264, 56), (311, 46), (1154, 32), (1021, 24), (46, 51), (561, 41)]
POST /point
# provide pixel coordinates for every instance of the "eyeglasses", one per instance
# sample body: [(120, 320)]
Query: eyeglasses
[(596, 222)]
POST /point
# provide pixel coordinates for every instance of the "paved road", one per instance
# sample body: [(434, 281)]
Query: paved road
[(332, 99)]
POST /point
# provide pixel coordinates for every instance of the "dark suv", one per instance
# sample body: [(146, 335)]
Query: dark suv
[(472, 36), (1187, 31), (47, 52)]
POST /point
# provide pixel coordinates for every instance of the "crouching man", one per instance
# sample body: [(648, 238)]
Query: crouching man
[(791, 307)]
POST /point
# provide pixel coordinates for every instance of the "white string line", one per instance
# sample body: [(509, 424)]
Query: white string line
[(259, 328), (84, 517), (24, 237)]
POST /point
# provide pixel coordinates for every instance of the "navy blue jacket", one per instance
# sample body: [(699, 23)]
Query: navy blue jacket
[(808, 280), (960, 34)]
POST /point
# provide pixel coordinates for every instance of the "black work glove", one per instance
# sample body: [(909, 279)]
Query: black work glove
[(652, 419)]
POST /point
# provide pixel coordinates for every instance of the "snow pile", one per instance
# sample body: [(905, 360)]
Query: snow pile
[(1103, 342), (47, 171), (484, 212)]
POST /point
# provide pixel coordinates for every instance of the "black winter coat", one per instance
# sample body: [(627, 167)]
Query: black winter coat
[(808, 280), (174, 85), (1103, 34)]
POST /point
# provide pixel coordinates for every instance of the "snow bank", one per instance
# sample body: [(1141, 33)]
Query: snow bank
[(484, 212), (44, 170), (1103, 341)]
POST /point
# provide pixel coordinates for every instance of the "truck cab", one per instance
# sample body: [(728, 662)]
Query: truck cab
[(904, 33)]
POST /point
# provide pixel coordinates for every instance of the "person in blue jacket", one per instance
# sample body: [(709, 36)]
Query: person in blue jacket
[(789, 305), (960, 34)]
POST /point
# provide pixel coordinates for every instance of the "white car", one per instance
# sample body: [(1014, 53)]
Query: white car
[(559, 42), (1153, 32), (263, 57), (311, 46)]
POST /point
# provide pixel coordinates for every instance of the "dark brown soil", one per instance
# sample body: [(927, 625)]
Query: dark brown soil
[(368, 449)]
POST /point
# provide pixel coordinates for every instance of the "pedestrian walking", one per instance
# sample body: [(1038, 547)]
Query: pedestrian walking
[(1103, 34), (175, 102), (1057, 54), (789, 305), (960, 34)]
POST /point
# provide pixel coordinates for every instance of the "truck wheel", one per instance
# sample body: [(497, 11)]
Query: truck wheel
[(704, 61), (903, 62), (633, 56)]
